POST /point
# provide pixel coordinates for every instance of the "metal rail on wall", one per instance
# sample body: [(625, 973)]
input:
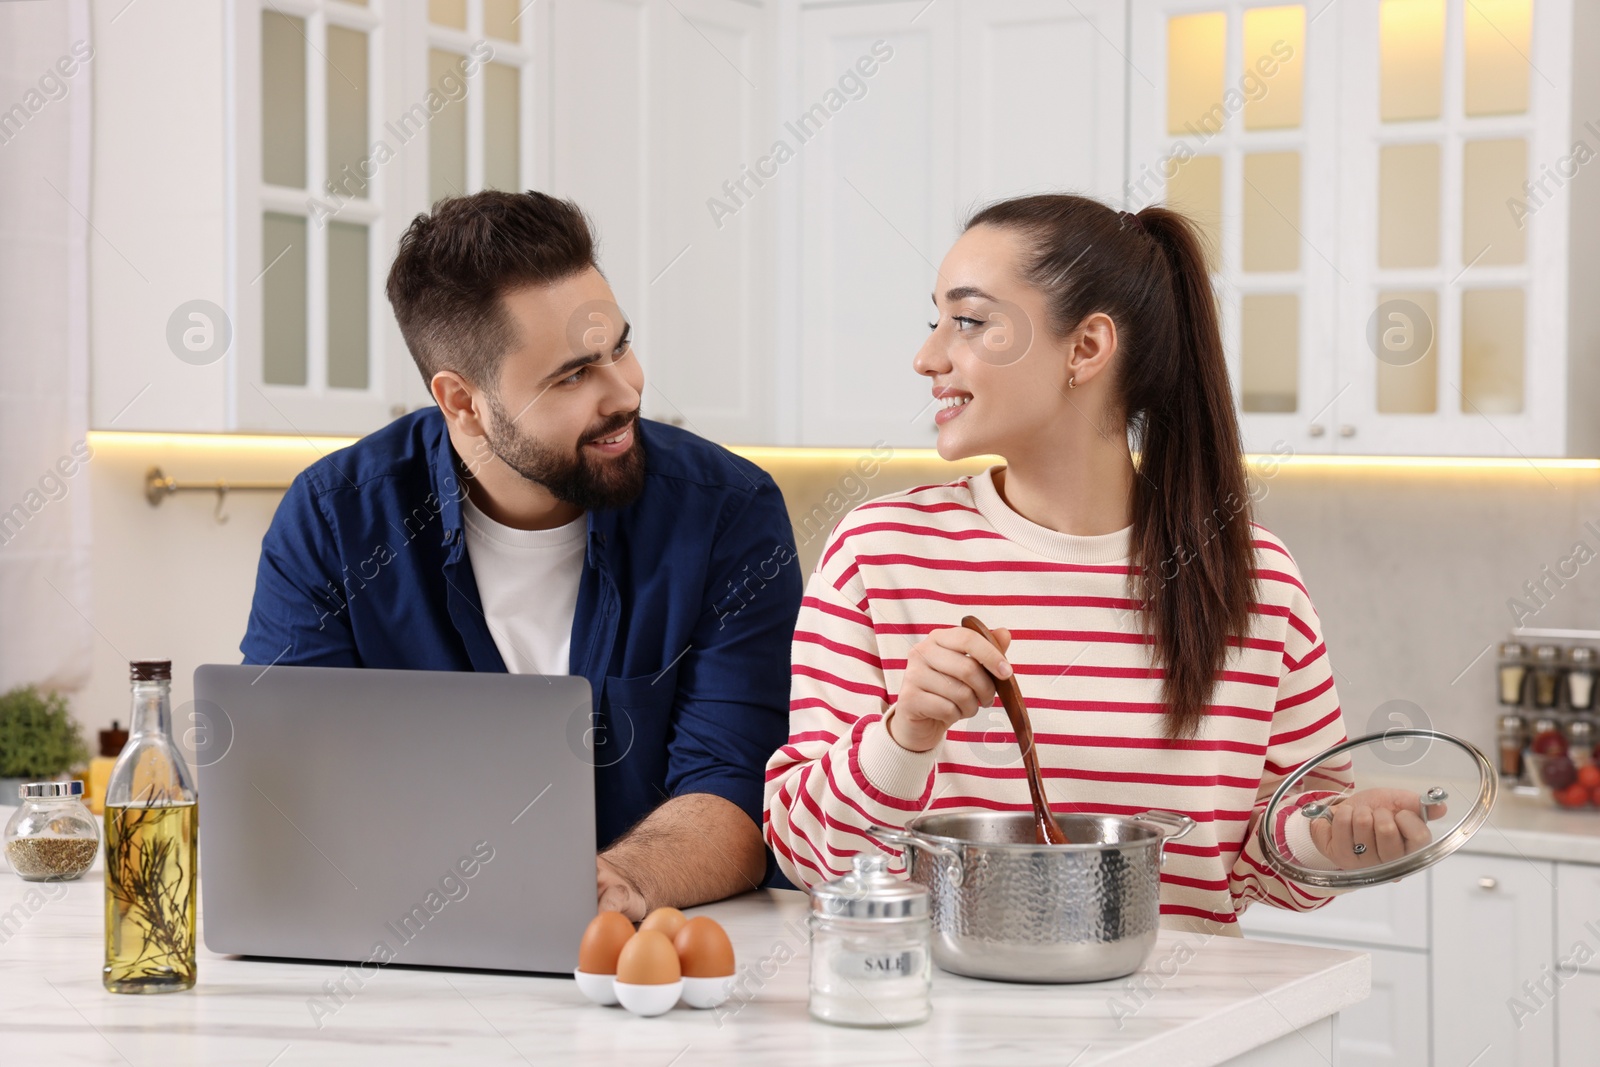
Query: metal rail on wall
[(157, 487)]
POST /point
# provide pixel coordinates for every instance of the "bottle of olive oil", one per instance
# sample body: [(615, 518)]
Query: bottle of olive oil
[(152, 822)]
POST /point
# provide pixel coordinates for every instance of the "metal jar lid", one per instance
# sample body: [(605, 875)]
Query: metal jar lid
[(38, 790), (1547, 653), (1581, 655), (1513, 724), (870, 892), (1512, 650)]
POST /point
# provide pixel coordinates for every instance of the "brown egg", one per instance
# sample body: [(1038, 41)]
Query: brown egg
[(668, 920), (602, 942), (704, 949), (648, 959)]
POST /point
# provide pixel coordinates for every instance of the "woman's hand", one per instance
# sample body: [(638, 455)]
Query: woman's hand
[(947, 679), (1387, 823)]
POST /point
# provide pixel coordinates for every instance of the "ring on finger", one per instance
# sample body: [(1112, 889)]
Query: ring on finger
[(1358, 848)]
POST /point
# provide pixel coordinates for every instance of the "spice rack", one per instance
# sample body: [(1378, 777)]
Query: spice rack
[(1547, 731)]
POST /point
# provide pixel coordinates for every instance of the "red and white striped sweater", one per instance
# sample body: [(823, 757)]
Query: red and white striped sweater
[(900, 566)]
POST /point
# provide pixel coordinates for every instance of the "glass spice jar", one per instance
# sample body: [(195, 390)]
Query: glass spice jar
[(1580, 677), (1513, 672), (1513, 738), (870, 962), (52, 837), (1580, 741), (1546, 675)]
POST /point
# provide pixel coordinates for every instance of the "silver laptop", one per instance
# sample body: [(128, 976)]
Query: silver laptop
[(409, 817)]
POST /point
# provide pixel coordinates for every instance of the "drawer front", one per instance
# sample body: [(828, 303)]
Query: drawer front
[(1578, 917), (1389, 915)]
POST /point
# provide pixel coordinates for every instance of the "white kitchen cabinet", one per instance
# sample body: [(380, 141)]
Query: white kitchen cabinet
[(1578, 1021), (1578, 916), (969, 102), (331, 146), (877, 212), (662, 129), (1041, 106), (1393, 915), (1391, 1027), (1389, 285), (1493, 929), (1232, 120), (1430, 183)]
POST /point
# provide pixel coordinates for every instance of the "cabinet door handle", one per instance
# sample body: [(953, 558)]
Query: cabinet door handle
[(1488, 883), (1317, 429), (1347, 430)]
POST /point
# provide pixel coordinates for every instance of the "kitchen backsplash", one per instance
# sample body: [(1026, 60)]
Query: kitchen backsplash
[(1416, 571)]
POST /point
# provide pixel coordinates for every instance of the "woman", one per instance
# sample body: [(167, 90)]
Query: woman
[(1165, 645)]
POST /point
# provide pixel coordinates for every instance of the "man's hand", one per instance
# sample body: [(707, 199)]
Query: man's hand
[(616, 893), (694, 848), (1387, 823)]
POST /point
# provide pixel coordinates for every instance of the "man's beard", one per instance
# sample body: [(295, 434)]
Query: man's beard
[(592, 483)]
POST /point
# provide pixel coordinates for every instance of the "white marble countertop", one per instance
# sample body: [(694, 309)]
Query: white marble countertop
[(1199, 1001), (1535, 828)]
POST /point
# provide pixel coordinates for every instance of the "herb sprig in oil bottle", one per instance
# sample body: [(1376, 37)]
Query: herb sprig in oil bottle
[(152, 827)]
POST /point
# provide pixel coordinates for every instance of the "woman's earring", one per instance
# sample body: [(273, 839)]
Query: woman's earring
[(1072, 381)]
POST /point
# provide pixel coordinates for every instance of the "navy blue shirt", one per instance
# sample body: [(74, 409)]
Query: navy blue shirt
[(686, 605)]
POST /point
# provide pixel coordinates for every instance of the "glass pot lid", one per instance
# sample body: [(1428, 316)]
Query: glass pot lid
[(1377, 808)]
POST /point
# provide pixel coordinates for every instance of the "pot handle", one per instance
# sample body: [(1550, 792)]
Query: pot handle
[(1171, 824), (901, 838)]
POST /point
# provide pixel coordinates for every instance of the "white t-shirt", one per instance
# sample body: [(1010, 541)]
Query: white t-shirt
[(528, 583)]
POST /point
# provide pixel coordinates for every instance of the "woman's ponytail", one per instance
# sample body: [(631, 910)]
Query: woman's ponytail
[(1192, 542), (1192, 504)]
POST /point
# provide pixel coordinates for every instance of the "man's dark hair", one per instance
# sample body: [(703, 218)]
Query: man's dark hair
[(453, 267)]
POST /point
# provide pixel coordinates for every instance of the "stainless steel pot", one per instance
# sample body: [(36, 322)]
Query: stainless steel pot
[(1005, 907)]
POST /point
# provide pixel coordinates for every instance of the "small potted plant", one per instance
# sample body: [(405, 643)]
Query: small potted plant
[(39, 739)]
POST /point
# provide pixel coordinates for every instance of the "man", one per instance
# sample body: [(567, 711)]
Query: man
[(533, 522)]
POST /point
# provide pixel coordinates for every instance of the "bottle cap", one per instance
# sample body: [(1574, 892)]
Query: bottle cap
[(150, 670), (36, 790), (112, 740), (1512, 650), (1547, 653), (1582, 655)]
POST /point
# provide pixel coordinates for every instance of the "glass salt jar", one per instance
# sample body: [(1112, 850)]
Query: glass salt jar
[(870, 963), (51, 837), (1580, 678)]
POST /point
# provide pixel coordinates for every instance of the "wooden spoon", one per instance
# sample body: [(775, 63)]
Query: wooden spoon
[(1045, 828)]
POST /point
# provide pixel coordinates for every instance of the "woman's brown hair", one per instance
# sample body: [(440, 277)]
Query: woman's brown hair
[(1192, 553)]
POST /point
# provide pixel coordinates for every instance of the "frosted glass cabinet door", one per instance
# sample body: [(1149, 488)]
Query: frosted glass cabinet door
[(1233, 120), (1388, 282), (1453, 309), (316, 201)]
